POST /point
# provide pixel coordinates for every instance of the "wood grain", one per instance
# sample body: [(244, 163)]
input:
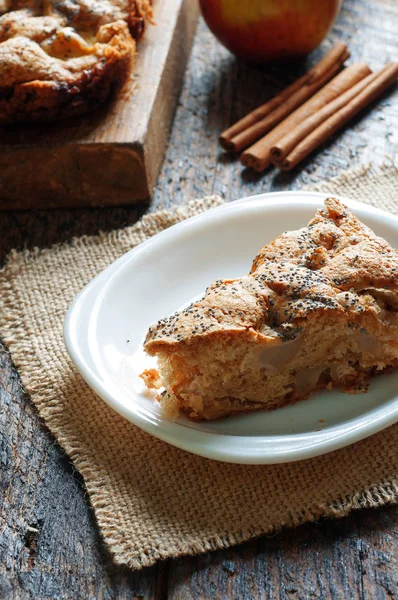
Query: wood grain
[(113, 155), (49, 544), (349, 559), (354, 558)]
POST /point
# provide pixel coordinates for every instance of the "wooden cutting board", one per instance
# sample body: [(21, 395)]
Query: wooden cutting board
[(112, 156)]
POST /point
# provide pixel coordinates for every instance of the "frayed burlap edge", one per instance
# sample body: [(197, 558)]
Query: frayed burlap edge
[(358, 183)]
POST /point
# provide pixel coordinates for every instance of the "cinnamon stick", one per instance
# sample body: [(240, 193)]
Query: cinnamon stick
[(253, 133), (384, 79), (290, 140), (258, 156), (273, 111)]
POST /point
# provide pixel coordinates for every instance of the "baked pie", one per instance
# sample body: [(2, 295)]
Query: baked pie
[(61, 58), (319, 309)]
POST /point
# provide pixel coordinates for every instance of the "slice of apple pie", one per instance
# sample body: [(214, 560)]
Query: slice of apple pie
[(319, 309)]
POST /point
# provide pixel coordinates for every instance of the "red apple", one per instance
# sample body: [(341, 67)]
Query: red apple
[(266, 30)]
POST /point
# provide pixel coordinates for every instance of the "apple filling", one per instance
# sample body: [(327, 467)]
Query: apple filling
[(235, 375)]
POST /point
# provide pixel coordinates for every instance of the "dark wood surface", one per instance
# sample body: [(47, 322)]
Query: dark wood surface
[(49, 543)]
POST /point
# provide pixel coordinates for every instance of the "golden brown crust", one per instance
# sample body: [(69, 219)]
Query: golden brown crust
[(61, 58), (319, 308), (299, 273)]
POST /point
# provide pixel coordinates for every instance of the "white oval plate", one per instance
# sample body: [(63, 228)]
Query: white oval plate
[(107, 322)]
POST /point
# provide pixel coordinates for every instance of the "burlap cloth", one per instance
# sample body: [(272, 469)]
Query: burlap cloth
[(153, 501)]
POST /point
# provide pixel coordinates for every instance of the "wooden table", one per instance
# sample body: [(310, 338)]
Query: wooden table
[(49, 543)]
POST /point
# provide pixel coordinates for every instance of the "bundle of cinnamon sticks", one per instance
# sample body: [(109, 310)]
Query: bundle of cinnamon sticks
[(287, 128)]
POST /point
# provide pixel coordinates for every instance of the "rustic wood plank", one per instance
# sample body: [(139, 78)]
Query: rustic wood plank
[(352, 558), (49, 544), (113, 155), (378, 551), (42, 228)]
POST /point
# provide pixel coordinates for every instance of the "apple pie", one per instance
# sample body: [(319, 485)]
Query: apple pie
[(61, 58), (319, 309)]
